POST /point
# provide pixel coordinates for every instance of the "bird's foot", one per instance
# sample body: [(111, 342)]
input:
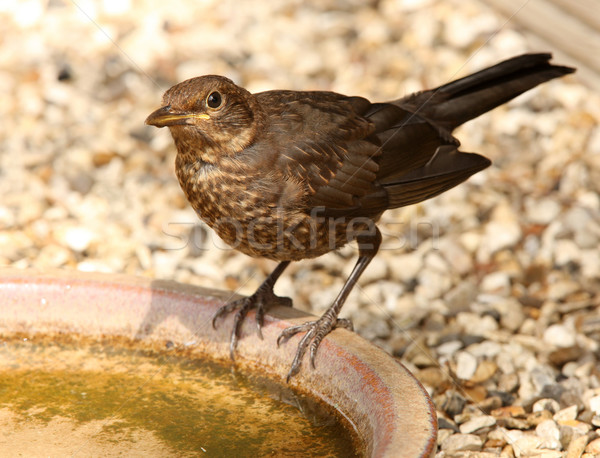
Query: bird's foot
[(261, 300), (315, 332)]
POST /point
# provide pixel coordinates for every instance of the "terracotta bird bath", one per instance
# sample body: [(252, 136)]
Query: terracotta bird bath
[(386, 406)]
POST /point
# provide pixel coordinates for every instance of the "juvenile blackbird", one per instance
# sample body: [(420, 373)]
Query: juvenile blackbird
[(290, 175)]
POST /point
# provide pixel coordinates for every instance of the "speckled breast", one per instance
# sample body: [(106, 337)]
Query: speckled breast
[(250, 218)]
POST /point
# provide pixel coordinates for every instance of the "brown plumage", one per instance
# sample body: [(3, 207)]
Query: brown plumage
[(291, 175)]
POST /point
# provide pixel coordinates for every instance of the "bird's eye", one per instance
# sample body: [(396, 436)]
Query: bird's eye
[(214, 100)]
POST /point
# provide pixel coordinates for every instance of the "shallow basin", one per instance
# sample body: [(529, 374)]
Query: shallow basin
[(386, 407)]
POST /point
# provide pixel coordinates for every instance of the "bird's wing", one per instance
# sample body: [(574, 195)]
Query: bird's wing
[(356, 158), (326, 143), (419, 158), (447, 168)]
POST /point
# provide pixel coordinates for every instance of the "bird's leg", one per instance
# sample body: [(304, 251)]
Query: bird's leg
[(316, 330), (261, 300)]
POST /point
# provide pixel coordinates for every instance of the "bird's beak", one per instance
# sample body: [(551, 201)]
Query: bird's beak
[(165, 116)]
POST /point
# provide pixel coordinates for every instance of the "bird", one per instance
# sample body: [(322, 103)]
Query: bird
[(290, 175)]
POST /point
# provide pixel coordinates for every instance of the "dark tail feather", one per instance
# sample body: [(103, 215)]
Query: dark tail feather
[(454, 103), (447, 168)]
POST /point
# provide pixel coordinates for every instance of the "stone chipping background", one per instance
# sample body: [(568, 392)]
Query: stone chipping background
[(489, 293)]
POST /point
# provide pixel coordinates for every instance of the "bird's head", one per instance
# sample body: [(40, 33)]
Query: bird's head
[(208, 116)]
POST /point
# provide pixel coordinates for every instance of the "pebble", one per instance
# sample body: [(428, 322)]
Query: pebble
[(594, 404), (497, 283), (449, 348), (444, 423), (432, 284), (443, 434), (477, 423), (377, 270), (526, 444), (546, 453), (508, 382), (485, 370), (485, 349), (459, 298), (564, 355), (462, 442), (77, 238), (542, 211), (593, 447), (559, 335), (566, 414), (466, 365), (549, 432), (511, 313), (451, 402), (559, 290), (503, 231), (566, 252), (547, 404), (493, 402), (475, 325), (405, 267), (535, 418), (455, 254), (576, 447)]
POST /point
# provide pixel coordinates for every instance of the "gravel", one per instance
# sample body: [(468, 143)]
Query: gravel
[(489, 293)]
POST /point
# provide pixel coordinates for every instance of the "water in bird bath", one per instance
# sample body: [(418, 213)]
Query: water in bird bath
[(77, 396)]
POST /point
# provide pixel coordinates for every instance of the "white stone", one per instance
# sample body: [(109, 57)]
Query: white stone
[(590, 263), (496, 282), (462, 442), (78, 238), (449, 348), (542, 211), (559, 335), (560, 289), (485, 349), (475, 324), (504, 230), (376, 270), (593, 447), (456, 255), (432, 284), (511, 313), (595, 404), (565, 252), (500, 235), (405, 267), (477, 423), (544, 452), (526, 445), (568, 413), (549, 432), (466, 365), (512, 435)]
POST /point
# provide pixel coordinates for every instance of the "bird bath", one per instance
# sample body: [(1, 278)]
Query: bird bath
[(156, 336)]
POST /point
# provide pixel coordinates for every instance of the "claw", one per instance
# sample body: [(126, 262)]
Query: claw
[(260, 300), (232, 345), (297, 362), (313, 350), (293, 330), (315, 332), (222, 311), (260, 315)]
